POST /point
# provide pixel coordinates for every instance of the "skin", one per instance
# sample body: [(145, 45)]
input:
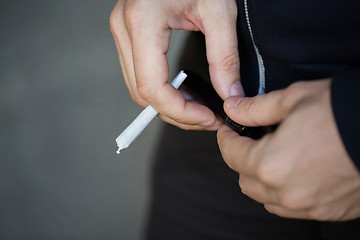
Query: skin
[(301, 170), (142, 31)]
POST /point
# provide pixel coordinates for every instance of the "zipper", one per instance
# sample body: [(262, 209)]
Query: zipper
[(258, 55)]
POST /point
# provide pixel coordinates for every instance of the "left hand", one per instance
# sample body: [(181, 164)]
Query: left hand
[(301, 170), (142, 30)]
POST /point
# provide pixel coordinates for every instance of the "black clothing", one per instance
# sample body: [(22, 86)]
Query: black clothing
[(307, 40), (195, 195), (345, 100)]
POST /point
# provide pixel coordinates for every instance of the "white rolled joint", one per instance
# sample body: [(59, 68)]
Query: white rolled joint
[(143, 119)]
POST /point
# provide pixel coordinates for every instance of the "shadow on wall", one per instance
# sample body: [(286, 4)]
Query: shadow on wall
[(62, 104)]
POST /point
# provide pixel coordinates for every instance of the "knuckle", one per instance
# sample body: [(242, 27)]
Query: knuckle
[(249, 106), (242, 185), (244, 191), (146, 90), (294, 88), (220, 137), (319, 214), (231, 11), (226, 156), (230, 164), (300, 85), (136, 98), (267, 171), (230, 62), (178, 117), (292, 200), (269, 208), (114, 21), (220, 141), (133, 13), (116, 15), (225, 153), (226, 10), (293, 92)]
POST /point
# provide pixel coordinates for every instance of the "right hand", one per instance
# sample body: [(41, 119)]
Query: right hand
[(142, 30)]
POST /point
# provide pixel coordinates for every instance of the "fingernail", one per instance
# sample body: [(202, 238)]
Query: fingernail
[(236, 89), (232, 102)]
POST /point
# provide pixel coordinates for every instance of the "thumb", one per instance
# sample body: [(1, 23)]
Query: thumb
[(219, 28), (261, 110), (271, 108)]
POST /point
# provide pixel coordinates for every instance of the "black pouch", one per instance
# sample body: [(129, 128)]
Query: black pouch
[(203, 92)]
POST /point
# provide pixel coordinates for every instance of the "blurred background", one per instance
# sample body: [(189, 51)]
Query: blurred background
[(62, 104)]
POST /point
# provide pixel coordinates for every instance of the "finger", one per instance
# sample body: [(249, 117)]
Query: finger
[(271, 108), (214, 127), (257, 190), (219, 27), (123, 46), (123, 68), (150, 45), (261, 110), (287, 213), (238, 152)]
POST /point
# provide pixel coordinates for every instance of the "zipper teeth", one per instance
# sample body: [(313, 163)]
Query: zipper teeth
[(258, 55)]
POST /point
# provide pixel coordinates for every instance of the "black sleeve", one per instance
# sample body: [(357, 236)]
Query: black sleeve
[(345, 97)]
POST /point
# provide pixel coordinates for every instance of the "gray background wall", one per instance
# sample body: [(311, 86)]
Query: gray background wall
[(62, 104)]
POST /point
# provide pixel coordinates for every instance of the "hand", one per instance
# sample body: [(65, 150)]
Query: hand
[(302, 169), (142, 30)]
